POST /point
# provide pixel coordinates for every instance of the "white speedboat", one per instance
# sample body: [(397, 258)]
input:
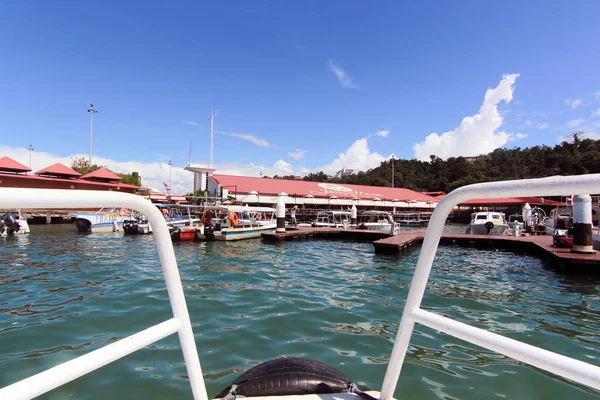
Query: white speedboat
[(103, 220), (296, 378), (412, 218), (487, 223), (235, 222), (515, 222), (13, 223), (559, 221), (376, 221), (332, 219)]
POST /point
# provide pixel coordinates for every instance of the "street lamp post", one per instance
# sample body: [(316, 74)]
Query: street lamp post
[(30, 148), (92, 111), (170, 163)]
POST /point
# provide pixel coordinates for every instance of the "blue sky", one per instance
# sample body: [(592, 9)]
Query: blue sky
[(300, 86)]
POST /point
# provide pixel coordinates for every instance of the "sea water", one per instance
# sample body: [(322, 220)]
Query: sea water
[(63, 294)]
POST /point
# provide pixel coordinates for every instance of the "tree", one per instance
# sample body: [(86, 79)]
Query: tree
[(81, 165), (197, 197)]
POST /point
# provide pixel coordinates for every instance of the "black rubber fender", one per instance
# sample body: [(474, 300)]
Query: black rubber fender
[(489, 226), (289, 376)]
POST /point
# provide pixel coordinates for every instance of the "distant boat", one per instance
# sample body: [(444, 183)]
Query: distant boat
[(235, 222), (376, 221), (101, 221), (487, 223), (332, 219), (559, 221), (12, 224), (412, 218)]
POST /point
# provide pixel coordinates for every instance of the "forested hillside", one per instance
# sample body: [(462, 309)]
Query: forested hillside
[(577, 156)]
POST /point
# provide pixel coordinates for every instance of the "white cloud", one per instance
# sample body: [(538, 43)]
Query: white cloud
[(357, 157), (384, 133), (298, 154), (573, 103), (477, 134), (597, 94), (251, 138), (343, 79), (192, 123), (542, 125), (528, 123), (574, 123), (596, 113), (517, 136), (153, 174)]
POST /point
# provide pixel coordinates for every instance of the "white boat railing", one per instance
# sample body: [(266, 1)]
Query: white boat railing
[(567, 367), (180, 323)]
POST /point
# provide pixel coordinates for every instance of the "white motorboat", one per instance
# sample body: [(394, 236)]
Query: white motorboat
[(487, 223), (235, 222), (559, 221), (332, 219), (376, 221), (103, 220), (412, 218), (13, 223), (515, 222), (298, 380)]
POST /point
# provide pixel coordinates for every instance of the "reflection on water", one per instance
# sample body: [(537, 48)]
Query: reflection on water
[(63, 294)]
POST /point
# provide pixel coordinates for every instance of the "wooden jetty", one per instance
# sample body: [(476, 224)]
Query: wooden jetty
[(384, 243)]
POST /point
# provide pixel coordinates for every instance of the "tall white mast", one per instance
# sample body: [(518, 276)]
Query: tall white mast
[(212, 134)]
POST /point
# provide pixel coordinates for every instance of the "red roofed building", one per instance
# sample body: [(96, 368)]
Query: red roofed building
[(58, 170), (251, 190), (59, 176), (102, 175), (7, 164)]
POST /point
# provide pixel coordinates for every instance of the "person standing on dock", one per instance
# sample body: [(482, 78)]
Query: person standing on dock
[(293, 215)]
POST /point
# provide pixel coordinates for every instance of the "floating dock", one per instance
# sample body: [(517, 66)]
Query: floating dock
[(384, 243)]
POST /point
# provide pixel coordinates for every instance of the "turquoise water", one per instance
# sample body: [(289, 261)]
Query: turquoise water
[(63, 294)]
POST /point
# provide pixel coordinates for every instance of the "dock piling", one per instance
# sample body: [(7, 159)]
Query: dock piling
[(280, 211), (582, 224)]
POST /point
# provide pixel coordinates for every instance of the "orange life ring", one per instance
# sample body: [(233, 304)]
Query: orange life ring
[(207, 217), (234, 219)]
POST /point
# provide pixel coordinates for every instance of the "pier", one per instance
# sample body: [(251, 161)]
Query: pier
[(384, 243)]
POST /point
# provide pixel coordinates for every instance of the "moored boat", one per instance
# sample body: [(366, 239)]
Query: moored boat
[(332, 219), (101, 221), (13, 223), (376, 221), (487, 223), (235, 222)]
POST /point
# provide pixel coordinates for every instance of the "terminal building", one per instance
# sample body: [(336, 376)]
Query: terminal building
[(59, 176), (264, 191)]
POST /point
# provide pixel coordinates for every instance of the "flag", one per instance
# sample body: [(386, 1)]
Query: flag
[(167, 186)]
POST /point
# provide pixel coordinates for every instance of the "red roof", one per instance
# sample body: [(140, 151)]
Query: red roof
[(51, 179), (10, 165), (102, 174), (266, 186), (538, 201), (58, 169)]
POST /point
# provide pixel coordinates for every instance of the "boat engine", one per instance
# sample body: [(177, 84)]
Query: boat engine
[(11, 224), (209, 232)]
